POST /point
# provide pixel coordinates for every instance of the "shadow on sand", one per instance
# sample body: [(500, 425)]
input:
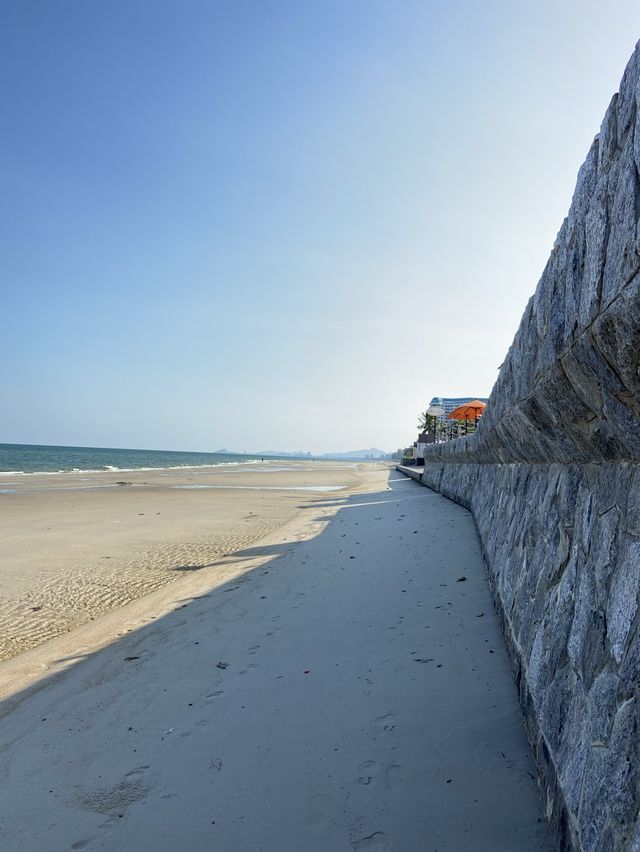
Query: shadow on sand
[(215, 593), (342, 692)]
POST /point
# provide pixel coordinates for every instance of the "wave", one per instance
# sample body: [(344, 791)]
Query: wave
[(108, 468)]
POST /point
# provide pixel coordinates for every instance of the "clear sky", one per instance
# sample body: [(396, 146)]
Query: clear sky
[(280, 224)]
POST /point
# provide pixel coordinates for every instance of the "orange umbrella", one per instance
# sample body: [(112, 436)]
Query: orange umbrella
[(468, 410)]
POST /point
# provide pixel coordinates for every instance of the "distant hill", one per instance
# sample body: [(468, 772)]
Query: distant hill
[(371, 453), (279, 453), (293, 453)]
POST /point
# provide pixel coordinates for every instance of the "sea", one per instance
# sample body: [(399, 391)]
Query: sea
[(33, 458)]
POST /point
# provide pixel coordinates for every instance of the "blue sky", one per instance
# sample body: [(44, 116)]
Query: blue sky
[(280, 224)]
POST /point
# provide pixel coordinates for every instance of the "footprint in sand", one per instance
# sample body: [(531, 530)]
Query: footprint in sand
[(393, 774), (81, 844), (213, 695), (376, 842), (384, 724), (114, 801), (137, 772), (367, 771), (370, 772)]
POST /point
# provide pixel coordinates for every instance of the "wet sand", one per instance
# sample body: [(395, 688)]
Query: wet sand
[(75, 546)]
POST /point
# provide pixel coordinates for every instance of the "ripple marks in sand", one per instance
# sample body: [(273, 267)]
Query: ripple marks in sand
[(76, 597)]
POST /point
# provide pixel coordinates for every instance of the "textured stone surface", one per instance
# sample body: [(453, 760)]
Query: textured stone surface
[(565, 573), (553, 480)]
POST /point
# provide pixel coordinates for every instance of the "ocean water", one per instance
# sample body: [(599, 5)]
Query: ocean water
[(31, 458)]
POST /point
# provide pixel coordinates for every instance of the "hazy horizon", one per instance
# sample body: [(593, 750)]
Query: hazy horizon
[(221, 450), (287, 225)]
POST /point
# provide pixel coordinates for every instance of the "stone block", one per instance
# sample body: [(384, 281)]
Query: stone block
[(602, 706), (596, 235), (621, 257), (632, 523), (616, 333), (572, 753), (609, 787), (623, 596)]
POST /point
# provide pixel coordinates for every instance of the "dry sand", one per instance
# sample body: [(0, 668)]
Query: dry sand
[(333, 687), (75, 546)]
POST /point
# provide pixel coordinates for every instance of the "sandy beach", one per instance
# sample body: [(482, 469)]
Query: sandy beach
[(75, 546), (336, 686)]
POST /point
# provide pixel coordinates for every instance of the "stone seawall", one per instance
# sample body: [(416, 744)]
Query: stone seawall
[(551, 476)]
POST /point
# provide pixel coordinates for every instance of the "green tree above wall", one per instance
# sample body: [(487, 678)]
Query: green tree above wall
[(427, 423)]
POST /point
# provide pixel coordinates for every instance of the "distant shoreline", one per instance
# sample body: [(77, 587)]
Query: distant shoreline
[(29, 459)]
